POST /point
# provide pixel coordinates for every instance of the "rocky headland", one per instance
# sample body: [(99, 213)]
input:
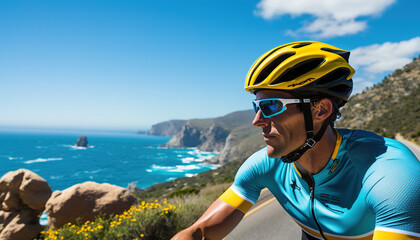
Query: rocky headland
[(232, 135)]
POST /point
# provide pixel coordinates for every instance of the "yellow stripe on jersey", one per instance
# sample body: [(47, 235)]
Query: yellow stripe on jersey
[(385, 235), (337, 144), (233, 199)]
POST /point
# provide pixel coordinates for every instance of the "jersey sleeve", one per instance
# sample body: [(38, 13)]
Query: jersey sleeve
[(392, 185), (247, 186)]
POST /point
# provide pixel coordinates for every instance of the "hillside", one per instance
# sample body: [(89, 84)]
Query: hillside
[(389, 107)]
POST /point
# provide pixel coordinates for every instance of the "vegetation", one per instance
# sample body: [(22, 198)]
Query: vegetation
[(148, 220), (145, 221), (224, 174)]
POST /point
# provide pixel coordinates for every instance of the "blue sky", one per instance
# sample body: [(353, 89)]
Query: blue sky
[(128, 64)]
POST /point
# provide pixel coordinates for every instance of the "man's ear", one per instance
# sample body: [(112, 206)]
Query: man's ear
[(322, 109)]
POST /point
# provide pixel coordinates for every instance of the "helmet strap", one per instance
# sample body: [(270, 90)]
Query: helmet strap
[(311, 140)]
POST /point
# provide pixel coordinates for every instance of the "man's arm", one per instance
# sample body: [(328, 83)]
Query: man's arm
[(217, 222)]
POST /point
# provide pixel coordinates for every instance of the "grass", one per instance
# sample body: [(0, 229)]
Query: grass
[(152, 220)]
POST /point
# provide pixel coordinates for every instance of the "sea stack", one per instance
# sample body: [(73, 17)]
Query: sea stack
[(82, 142)]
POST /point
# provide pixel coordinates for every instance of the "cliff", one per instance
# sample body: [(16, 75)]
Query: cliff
[(232, 135), (168, 128)]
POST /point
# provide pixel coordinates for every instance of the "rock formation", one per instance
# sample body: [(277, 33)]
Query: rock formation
[(82, 142), (23, 195), (168, 128), (87, 200), (206, 139), (232, 135), (132, 187)]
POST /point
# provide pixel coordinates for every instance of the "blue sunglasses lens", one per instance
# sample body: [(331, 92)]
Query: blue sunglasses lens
[(269, 107)]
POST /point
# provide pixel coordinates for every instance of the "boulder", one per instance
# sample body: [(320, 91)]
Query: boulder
[(86, 201), (82, 142), (23, 195)]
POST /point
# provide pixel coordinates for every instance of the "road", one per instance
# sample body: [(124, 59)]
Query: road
[(412, 146), (268, 221)]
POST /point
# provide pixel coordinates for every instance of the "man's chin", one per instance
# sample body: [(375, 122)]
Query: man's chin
[(272, 153)]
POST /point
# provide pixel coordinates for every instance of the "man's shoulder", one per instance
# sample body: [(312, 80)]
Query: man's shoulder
[(367, 150), (361, 142)]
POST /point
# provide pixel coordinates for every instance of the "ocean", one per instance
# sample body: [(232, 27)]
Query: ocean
[(118, 158)]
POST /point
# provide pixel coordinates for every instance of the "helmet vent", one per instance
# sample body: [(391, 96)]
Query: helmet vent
[(343, 54), (302, 45), (334, 75), (262, 60), (270, 67), (298, 70)]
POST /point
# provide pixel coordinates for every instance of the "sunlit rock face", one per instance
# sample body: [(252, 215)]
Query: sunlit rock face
[(23, 195)]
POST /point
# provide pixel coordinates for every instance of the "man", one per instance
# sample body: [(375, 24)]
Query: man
[(336, 184)]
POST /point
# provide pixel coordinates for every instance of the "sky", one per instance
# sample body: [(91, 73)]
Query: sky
[(129, 64)]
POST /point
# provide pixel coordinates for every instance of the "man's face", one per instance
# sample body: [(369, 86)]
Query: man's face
[(284, 132)]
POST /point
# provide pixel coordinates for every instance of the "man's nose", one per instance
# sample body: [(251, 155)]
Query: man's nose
[(260, 120)]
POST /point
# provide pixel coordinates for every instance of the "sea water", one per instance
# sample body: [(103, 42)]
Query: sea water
[(111, 157)]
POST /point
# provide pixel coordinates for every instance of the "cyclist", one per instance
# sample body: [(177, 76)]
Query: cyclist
[(334, 183)]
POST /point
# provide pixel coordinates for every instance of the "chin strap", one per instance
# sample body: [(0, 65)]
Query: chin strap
[(311, 140)]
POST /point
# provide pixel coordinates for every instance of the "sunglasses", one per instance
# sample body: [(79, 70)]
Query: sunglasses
[(272, 106)]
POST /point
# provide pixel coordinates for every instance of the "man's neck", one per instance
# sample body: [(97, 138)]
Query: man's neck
[(315, 159)]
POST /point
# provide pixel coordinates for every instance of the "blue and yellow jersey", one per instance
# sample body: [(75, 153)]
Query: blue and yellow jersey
[(369, 189)]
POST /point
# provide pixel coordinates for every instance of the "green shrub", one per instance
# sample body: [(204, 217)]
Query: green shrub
[(184, 192)]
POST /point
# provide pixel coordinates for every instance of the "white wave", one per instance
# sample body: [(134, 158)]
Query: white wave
[(177, 168), (15, 158), (192, 152), (56, 177), (73, 147), (190, 175), (188, 160), (43, 160), (154, 166), (183, 168), (148, 170), (92, 172), (170, 179)]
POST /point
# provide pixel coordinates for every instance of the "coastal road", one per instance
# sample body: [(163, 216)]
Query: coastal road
[(268, 221), (412, 146)]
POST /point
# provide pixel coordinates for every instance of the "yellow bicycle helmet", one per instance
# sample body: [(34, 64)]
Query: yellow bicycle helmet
[(308, 70), (304, 68)]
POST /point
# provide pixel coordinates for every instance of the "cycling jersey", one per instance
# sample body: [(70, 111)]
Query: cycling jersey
[(369, 189)]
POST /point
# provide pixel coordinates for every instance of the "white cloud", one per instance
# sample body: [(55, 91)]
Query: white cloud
[(379, 58), (373, 60), (360, 84), (331, 17)]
